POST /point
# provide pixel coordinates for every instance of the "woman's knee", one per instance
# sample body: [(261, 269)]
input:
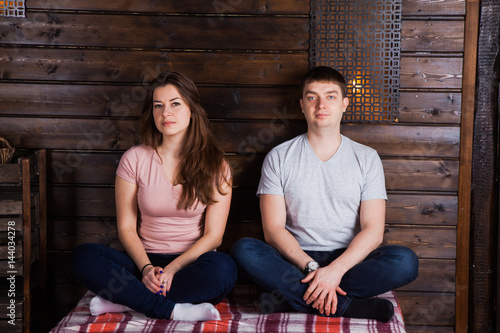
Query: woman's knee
[(81, 256), (221, 265)]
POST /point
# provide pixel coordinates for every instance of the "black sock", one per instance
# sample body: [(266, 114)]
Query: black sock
[(371, 308), (273, 303)]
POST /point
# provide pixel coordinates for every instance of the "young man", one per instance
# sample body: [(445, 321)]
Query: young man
[(322, 199)]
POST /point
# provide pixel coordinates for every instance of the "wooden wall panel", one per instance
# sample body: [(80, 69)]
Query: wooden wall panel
[(443, 36), (431, 72), (220, 102), (433, 35), (103, 100), (427, 310), (193, 7), (435, 275), (416, 175), (434, 8), (407, 141), (88, 135), (135, 66), (430, 107), (425, 209), (157, 32), (72, 78), (426, 242)]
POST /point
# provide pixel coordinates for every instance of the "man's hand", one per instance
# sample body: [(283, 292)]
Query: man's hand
[(323, 289)]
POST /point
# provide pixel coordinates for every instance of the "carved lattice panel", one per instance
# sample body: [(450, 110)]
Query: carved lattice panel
[(361, 39), (12, 8)]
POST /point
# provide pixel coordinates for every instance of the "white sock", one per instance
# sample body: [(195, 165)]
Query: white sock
[(99, 305), (195, 312)]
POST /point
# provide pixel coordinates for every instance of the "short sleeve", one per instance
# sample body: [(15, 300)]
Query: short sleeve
[(374, 179), (270, 179), (127, 169)]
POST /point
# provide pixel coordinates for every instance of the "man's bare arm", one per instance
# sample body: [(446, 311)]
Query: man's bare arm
[(273, 212)]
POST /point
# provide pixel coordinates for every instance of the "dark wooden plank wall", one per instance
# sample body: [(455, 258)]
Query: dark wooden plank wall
[(431, 83), (72, 76)]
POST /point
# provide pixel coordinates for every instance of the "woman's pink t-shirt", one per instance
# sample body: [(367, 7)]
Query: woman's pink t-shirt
[(162, 227)]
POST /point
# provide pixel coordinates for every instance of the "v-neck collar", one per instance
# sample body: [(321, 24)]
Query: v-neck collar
[(316, 155)]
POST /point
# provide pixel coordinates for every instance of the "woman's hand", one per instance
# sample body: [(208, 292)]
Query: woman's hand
[(166, 276), (151, 281)]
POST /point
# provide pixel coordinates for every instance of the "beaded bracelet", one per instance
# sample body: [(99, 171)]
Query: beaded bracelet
[(142, 270)]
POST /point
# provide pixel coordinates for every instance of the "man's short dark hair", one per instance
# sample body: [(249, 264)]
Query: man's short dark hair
[(325, 74)]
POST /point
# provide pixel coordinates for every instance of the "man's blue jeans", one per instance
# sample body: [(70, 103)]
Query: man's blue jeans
[(113, 275), (385, 269)]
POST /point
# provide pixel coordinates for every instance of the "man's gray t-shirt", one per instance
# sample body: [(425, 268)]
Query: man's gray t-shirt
[(323, 198)]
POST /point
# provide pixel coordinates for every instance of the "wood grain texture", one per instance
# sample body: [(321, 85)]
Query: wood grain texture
[(220, 102), (89, 135), (99, 100), (430, 107), (219, 7), (415, 175), (427, 72), (204, 67), (433, 276), (435, 36), (422, 209), (434, 8), (5, 302), (10, 203), (406, 141), (4, 249), (465, 184), (16, 328), (10, 173), (427, 310), (143, 66), (434, 329), (4, 227), (426, 242), (157, 32)]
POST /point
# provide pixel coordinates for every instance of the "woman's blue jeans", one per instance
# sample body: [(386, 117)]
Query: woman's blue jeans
[(385, 269), (113, 275)]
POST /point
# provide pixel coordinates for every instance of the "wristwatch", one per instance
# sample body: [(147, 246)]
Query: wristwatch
[(311, 267)]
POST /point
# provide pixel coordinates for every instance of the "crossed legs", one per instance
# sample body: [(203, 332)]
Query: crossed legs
[(385, 269), (112, 275)]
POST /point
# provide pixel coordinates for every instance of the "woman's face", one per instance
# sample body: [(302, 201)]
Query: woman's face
[(171, 112)]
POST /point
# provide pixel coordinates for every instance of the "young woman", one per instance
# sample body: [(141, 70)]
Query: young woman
[(172, 194)]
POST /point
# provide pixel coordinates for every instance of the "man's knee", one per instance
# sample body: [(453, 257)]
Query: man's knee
[(244, 249), (407, 263)]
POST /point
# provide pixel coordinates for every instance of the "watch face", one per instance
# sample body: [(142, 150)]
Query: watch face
[(313, 265)]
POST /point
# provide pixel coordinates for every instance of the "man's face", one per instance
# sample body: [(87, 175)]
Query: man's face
[(322, 104)]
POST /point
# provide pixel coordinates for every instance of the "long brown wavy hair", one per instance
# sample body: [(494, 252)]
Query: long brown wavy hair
[(202, 163)]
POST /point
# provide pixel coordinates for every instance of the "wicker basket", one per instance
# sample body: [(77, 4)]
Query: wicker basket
[(6, 151)]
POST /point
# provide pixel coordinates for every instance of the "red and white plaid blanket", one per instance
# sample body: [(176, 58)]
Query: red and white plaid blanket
[(237, 315)]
